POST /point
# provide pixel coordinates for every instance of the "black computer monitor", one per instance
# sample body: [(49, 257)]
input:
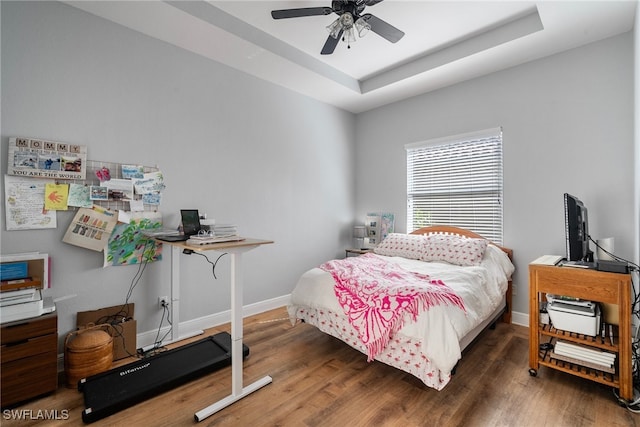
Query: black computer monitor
[(576, 225)]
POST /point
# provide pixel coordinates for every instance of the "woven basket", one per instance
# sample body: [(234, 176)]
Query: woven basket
[(87, 352)]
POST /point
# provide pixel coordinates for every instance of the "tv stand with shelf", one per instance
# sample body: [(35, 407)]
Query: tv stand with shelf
[(592, 285)]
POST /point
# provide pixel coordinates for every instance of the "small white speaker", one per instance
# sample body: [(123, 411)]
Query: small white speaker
[(607, 245)]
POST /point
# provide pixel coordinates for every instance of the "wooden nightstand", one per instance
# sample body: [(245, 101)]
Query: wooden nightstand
[(356, 252), (590, 285)]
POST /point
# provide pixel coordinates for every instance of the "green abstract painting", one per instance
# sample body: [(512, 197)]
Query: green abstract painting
[(128, 245)]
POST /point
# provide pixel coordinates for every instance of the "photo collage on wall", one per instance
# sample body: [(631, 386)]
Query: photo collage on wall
[(114, 201)]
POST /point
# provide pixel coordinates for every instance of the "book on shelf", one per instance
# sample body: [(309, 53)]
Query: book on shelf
[(586, 364), (587, 354), (587, 351)]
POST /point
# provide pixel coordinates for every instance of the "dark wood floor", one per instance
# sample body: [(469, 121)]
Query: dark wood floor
[(319, 381)]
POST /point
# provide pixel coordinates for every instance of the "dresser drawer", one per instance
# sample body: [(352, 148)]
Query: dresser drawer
[(24, 329), (28, 377), (29, 358), (29, 347)]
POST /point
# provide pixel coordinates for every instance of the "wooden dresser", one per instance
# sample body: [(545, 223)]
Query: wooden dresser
[(28, 357)]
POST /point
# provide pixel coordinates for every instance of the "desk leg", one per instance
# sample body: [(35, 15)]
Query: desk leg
[(237, 391), (174, 308), (237, 326)]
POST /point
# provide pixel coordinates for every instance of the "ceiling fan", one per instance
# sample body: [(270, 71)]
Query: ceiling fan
[(350, 20)]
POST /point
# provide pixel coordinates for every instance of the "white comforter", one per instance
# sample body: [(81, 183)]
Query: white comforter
[(440, 328)]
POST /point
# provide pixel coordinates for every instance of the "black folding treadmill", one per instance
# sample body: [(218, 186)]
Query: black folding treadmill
[(114, 390)]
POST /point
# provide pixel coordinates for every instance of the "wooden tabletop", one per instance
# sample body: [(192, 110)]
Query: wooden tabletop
[(220, 246)]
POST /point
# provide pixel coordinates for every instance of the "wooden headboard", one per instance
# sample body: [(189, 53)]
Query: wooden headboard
[(447, 229)]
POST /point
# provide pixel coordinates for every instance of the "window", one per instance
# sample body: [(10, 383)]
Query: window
[(457, 181)]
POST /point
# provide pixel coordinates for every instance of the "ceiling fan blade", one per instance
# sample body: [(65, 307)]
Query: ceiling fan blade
[(383, 28), (371, 2), (297, 13), (330, 44)]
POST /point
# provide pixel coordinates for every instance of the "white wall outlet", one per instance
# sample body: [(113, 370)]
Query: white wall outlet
[(163, 302)]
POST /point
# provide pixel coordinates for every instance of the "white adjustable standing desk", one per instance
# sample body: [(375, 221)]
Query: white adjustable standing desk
[(235, 249)]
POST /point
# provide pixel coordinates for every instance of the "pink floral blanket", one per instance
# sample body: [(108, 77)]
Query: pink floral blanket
[(378, 296)]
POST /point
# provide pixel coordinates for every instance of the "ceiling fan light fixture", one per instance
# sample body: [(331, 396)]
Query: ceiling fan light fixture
[(344, 25), (349, 35), (362, 27), (334, 28), (351, 20), (346, 19)]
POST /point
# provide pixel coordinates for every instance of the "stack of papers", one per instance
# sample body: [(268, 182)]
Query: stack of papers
[(220, 230), (585, 356), (220, 233), (209, 240), (548, 260)]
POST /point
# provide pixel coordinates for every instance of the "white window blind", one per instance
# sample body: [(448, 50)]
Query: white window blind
[(457, 181)]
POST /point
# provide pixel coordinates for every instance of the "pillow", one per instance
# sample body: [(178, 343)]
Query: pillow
[(457, 250), (409, 246)]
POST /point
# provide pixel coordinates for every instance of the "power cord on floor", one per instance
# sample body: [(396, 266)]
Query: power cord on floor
[(634, 405)]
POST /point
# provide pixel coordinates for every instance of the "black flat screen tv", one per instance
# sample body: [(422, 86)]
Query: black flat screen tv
[(576, 226)]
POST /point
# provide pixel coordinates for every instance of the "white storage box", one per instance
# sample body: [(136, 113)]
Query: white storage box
[(581, 319)]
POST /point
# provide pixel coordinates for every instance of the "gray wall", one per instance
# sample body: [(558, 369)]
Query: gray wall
[(567, 126), (276, 163), (280, 165)]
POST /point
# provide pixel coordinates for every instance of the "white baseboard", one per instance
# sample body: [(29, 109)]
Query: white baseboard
[(216, 319), (521, 319)]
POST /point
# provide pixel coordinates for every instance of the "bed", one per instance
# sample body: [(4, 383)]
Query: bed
[(447, 285)]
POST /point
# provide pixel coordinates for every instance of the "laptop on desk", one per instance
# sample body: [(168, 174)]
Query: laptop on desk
[(190, 226)]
